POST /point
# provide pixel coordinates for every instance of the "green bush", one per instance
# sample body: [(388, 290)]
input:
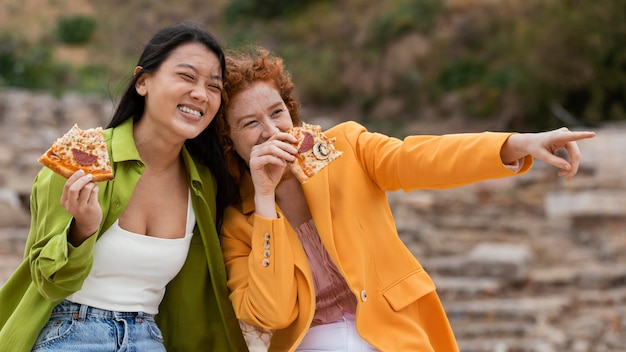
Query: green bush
[(8, 59), (576, 59), (92, 79), (25, 66), (76, 29), (407, 16), (267, 9), (31, 66), (461, 73), (317, 72)]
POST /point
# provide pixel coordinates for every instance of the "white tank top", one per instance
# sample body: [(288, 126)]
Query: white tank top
[(130, 271)]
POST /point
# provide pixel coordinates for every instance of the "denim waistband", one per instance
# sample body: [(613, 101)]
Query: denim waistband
[(81, 311)]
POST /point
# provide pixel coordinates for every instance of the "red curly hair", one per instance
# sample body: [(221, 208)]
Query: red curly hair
[(244, 67)]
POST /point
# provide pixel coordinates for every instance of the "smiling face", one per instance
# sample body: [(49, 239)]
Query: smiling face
[(184, 94), (254, 115)]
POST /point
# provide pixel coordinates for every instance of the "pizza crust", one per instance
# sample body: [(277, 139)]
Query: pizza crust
[(315, 151), (297, 171), (48, 160)]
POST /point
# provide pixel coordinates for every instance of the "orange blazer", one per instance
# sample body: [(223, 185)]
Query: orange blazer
[(398, 308)]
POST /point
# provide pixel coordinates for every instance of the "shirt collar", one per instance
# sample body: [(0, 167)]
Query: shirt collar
[(123, 143), (192, 168)]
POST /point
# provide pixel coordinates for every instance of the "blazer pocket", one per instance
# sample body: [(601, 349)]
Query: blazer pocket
[(408, 290)]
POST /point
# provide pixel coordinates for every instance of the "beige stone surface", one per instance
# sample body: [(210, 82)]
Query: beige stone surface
[(531, 263)]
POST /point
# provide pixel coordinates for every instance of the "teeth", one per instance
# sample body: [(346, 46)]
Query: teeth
[(189, 111)]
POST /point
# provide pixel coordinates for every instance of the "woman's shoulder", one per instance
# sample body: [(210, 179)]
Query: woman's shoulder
[(348, 125), (346, 130), (354, 132)]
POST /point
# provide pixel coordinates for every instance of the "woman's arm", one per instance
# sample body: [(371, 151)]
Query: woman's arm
[(57, 267), (263, 288)]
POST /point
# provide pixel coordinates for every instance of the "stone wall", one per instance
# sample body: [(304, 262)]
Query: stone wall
[(29, 123), (531, 263)]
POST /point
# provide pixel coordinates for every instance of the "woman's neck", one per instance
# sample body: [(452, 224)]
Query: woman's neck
[(156, 150)]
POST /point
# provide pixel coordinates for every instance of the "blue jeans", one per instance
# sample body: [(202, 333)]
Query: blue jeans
[(77, 327)]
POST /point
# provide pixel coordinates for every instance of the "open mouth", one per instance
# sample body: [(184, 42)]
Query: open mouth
[(191, 111)]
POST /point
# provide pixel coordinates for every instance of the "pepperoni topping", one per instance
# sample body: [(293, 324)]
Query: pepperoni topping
[(307, 143), (84, 158)]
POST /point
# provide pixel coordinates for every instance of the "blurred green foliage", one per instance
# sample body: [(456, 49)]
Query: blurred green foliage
[(404, 17), (461, 73), (570, 54), (266, 9), (28, 66), (75, 29), (319, 71), (515, 62), (579, 59)]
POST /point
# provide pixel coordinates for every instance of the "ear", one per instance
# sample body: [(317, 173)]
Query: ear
[(140, 83)]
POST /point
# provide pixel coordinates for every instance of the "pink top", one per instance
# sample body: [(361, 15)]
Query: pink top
[(332, 294)]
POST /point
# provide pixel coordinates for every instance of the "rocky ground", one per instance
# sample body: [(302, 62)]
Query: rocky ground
[(531, 263)]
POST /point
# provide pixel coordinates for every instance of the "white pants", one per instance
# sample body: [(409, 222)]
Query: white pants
[(338, 336)]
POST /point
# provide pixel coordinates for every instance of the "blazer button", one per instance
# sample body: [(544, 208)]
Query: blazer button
[(363, 295)]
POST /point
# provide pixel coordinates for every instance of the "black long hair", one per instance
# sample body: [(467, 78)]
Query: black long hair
[(204, 147)]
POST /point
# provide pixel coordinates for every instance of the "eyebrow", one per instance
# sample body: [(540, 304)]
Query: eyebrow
[(193, 68)]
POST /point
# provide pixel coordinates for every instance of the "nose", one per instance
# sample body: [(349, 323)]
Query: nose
[(199, 93), (269, 129)]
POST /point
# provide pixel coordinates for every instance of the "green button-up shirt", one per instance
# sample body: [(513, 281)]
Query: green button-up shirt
[(195, 314)]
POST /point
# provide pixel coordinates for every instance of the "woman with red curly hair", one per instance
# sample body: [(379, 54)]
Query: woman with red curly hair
[(319, 265)]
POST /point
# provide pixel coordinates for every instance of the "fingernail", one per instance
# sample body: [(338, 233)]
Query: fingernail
[(90, 176)]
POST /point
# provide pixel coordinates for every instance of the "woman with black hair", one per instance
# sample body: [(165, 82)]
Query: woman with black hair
[(134, 264)]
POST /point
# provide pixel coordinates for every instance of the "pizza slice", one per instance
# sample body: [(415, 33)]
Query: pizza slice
[(79, 149), (315, 151)]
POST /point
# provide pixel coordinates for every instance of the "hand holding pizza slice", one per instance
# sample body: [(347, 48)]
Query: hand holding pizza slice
[(79, 149), (315, 151)]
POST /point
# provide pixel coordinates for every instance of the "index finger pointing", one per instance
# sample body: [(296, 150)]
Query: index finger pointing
[(574, 136)]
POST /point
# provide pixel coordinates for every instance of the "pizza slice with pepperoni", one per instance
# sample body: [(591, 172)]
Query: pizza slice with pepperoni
[(79, 149), (315, 151)]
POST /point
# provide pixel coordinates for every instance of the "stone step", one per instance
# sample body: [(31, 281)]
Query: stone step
[(586, 203), (12, 242), (8, 264), (599, 276), (471, 328), (574, 330), (460, 287), (614, 298), (508, 262), (507, 345), (517, 309)]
